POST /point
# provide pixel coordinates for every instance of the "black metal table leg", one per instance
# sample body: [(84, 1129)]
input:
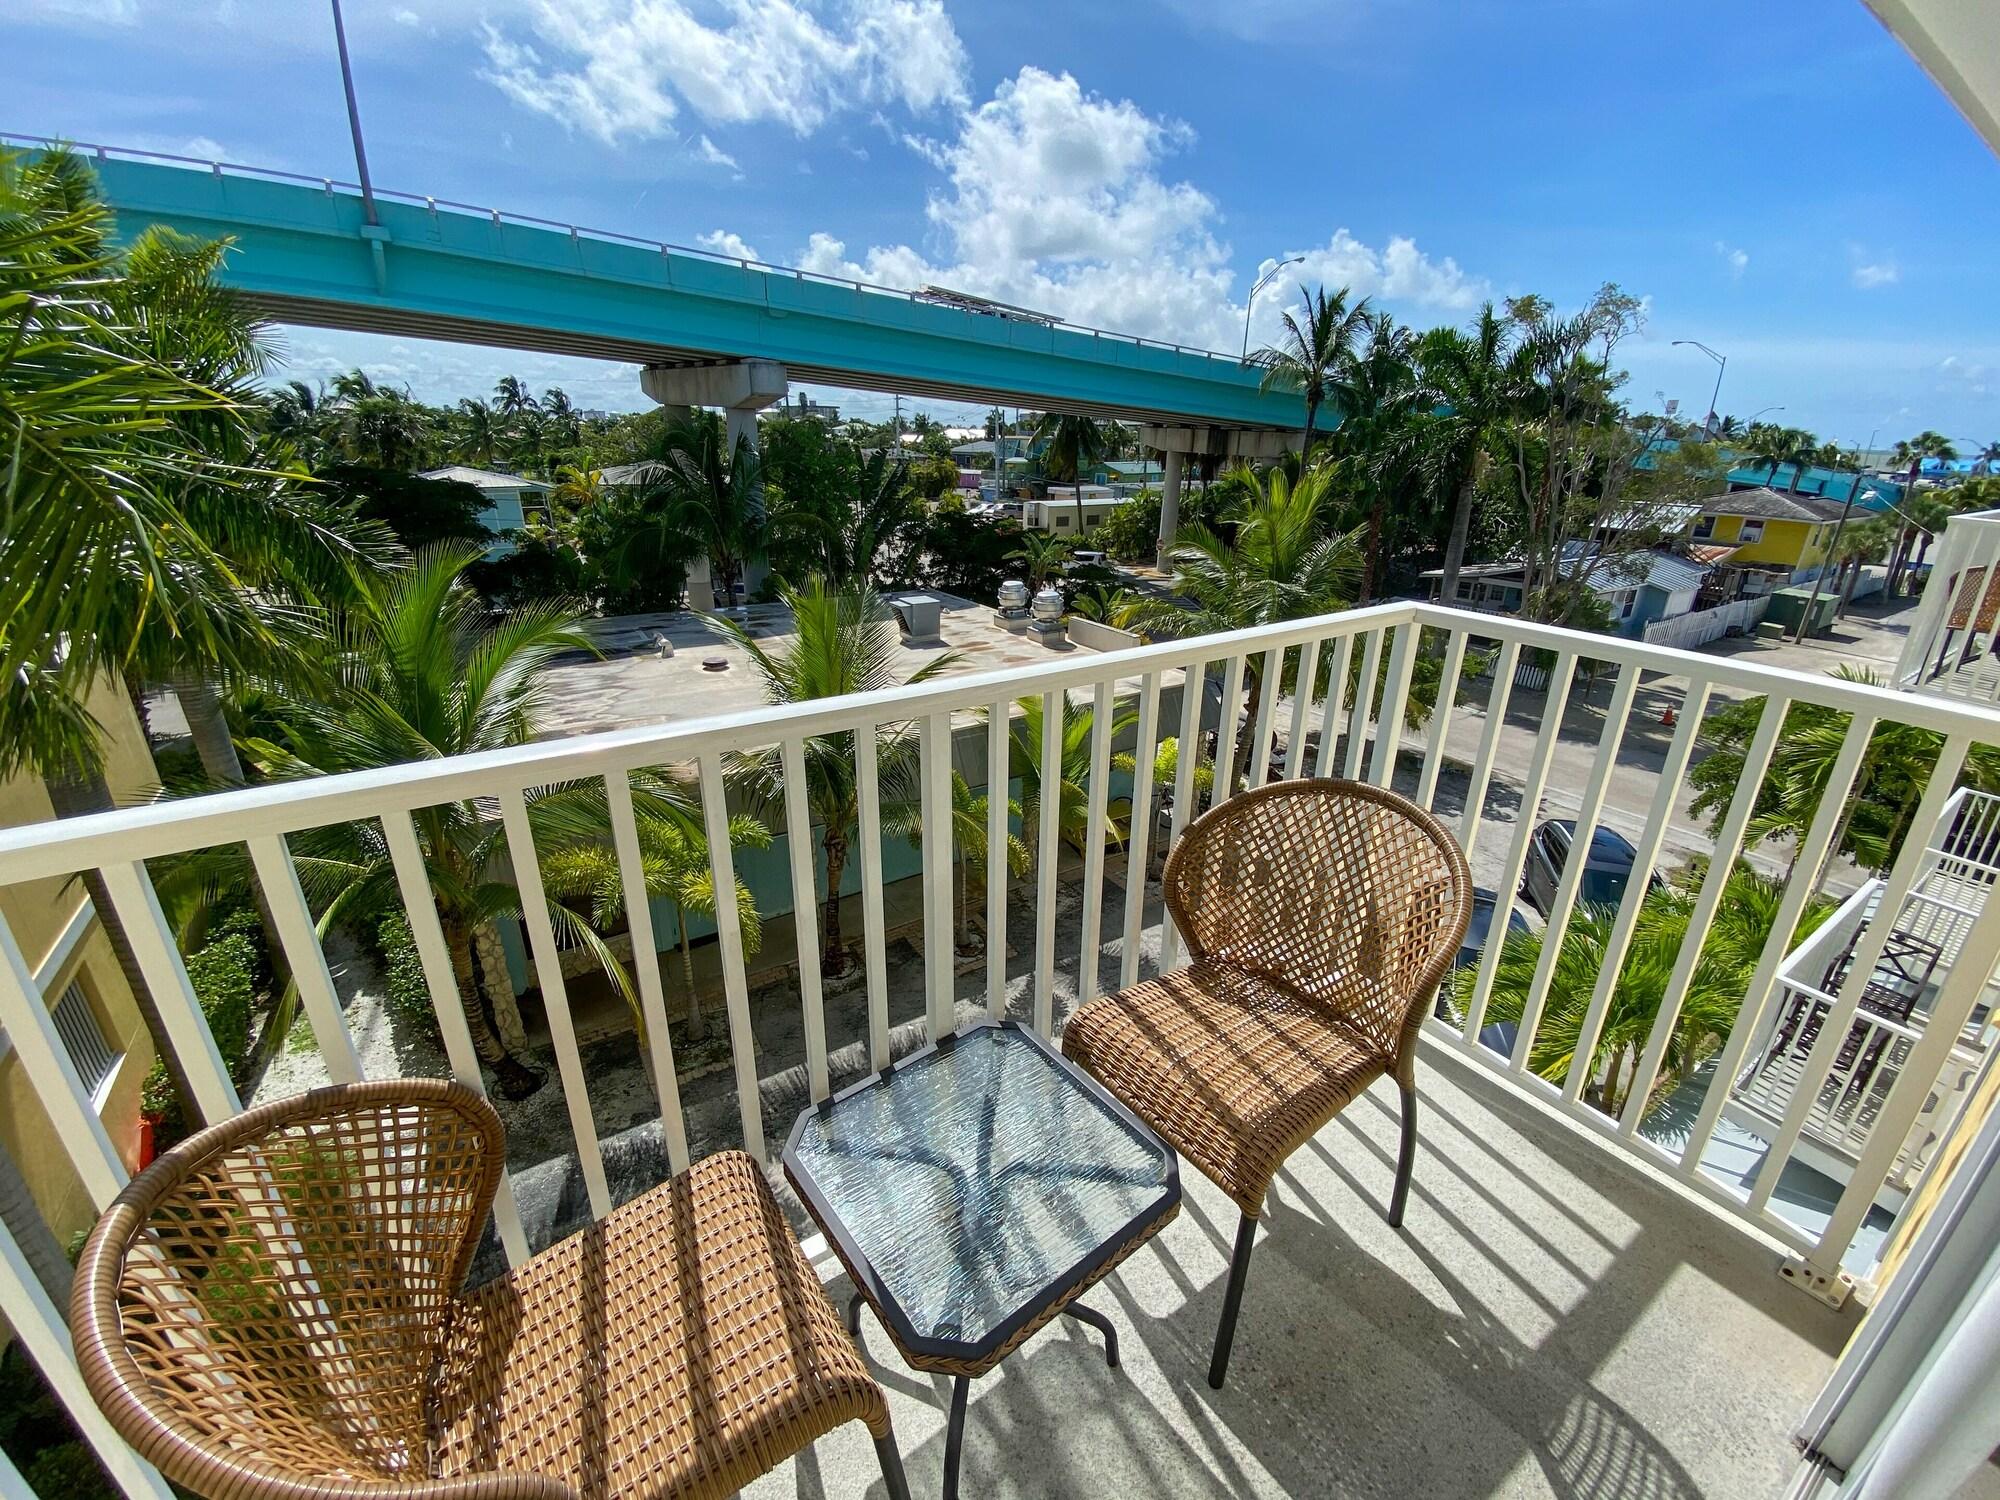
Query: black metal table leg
[(954, 1436), (1102, 1324), (854, 1314)]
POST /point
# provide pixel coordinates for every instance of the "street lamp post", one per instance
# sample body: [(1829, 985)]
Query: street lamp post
[(1250, 305), (354, 117), (1721, 364)]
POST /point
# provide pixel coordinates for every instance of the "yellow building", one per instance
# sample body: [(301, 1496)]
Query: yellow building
[(78, 975), (1768, 530)]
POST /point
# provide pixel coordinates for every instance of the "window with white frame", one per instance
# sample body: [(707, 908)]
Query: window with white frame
[(83, 1037), (1626, 599), (1704, 528), (1753, 531)]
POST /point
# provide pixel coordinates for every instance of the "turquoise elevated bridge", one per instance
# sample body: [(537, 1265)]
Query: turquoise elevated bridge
[(306, 254)]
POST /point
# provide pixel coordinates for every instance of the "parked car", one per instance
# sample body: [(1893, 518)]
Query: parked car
[(1483, 904), (1606, 872)]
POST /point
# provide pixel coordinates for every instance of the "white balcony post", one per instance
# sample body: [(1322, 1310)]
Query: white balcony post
[(45, 1063), (555, 997), (1302, 698), (1273, 669), (1395, 695), (279, 878), (1438, 729), (1137, 844), (937, 854), (999, 826), (1363, 705), (1048, 851), (1497, 698), (868, 789), (1334, 705), (1097, 802), (1187, 751), (646, 963), (805, 914), (729, 938), (166, 976)]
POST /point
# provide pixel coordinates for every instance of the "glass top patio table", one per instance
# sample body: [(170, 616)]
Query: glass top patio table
[(976, 1184)]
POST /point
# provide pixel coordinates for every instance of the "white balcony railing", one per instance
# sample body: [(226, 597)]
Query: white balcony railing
[(1955, 881), (1471, 753), (1949, 650)]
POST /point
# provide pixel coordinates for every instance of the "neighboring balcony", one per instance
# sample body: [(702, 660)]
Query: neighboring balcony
[(1581, 1302)]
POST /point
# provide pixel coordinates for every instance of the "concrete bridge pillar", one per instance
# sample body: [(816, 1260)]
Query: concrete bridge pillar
[(742, 388), (1170, 504), (1179, 443)]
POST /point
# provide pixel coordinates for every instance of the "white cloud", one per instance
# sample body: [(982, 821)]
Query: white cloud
[(626, 68), (713, 154), (1734, 259), (1869, 272), (117, 12), (407, 18), (1054, 199), (723, 242)]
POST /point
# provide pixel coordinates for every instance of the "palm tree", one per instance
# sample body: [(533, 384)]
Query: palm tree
[(969, 846), (1072, 790), (1729, 954), (878, 508), (480, 431), (384, 428), (513, 397), (1070, 443), (151, 527), (843, 641), (1316, 356), (674, 859), (716, 499), (428, 674), (1467, 375), (1379, 429), (1862, 542), (1041, 555), (301, 415), (565, 426), (1771, 448), (576, 491), (1282, 565)]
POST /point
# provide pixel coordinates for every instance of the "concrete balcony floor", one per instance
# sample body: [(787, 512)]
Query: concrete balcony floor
[(1551, 1321)]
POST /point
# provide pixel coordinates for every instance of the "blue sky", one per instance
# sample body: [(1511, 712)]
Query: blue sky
[(1779, 181)]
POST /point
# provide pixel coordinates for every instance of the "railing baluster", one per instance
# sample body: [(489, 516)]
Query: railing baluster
[(936, 871), (1363, 705), (45, 1063), (1439, 727), (1616, 712), (1497, 698), (999, 788), (1186, 754), (555, 996), (1097, 797), (1964, 983), (729, 937), (1532, 782), (1645, 857), (152, 941), (279, 879), (868, 794), (1331, 709), (1728, 848), (646, 965), (420, 906), (1137, 846), (1861, 969), (805, 913), (44, 1333), (1228, 732), (1267, 706), (1395, 692), (1048, 850), (1302, 698)]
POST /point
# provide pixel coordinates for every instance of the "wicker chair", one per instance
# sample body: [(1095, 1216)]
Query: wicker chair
[(271, 1311), (1319, 918)]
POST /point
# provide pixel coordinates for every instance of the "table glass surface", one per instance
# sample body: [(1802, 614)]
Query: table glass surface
[(976, 1177)]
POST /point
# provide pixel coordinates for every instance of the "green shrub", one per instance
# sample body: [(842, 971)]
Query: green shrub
[(68, 1471), (244, 921), (224, 978), (408, 992)]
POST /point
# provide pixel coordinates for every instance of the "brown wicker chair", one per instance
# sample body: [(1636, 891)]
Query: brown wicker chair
[(272, 1311), (1319, 918)]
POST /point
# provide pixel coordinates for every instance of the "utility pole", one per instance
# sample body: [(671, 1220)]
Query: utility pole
[(1714, 401)]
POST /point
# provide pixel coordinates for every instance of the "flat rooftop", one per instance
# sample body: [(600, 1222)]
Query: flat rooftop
[(633, 685)]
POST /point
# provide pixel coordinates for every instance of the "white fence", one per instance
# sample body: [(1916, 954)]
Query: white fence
[(1700, 626), (1357, 734)]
